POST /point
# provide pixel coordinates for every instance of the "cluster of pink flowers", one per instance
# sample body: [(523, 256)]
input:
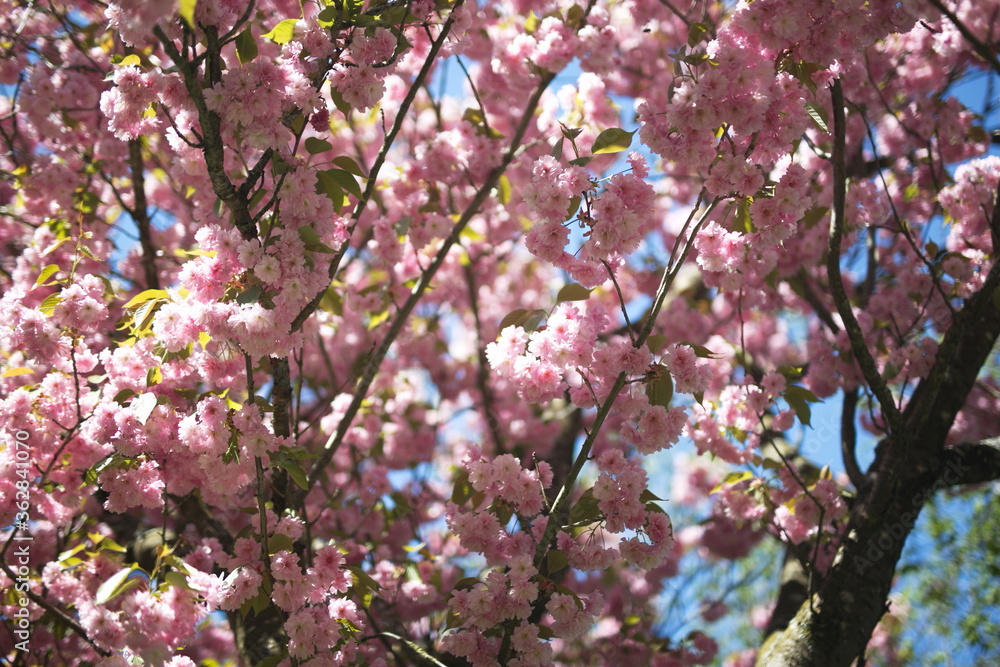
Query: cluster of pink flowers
[(360, 80), (128, 105), (538, 362), (503, 478)]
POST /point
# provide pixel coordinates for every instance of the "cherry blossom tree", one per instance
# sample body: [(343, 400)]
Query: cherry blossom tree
[(344, 333)]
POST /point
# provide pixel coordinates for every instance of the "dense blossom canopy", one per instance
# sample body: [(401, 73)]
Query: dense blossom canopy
[(341, 333)]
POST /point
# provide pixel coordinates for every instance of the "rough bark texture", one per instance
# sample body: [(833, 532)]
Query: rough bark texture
[(833, 626)]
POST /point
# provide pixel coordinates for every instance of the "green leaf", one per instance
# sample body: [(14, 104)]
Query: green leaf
[(346, 181), (648, 496), (13, 372), (463, 584), (115, 585), (732, 479), (573, 292), (529, 320), (332, 302), (362, 578), (798, 399), (531, 23), (575, 16), (46, 273), (294, 471), (186, 9), (574, 206), (503, 189), (661, 388), (612, 140), (328, 16), (327, 186), (700, 350), (555, 560), (473, 116), (818, 114), (585, 510), (146, 295), (349, 165), (250, 295), (279, 542), (130, 60), (463, 489), (793, 373), (313, 242), (696, 32), (656, 342), (338, 101), (283, 32), (177, 580), (813, 216), (246, 46), (315, 145)]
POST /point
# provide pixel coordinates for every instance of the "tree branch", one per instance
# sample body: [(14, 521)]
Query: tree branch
[(140, 215), (972, 462), (213, 150), (849, 437), (861, 352), (987, 53), (417, 293)]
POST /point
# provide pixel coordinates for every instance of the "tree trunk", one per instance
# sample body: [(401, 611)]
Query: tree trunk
[(833, 626)]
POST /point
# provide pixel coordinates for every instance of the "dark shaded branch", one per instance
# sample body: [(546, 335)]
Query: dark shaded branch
[(792, 593), (849, 439), (417, 293), (837, 217), (140, 214), (986, 52), (387, 143), (55, 611), (482, 369), (822, 312), (972, 462), (213, 150), (961, 353)]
